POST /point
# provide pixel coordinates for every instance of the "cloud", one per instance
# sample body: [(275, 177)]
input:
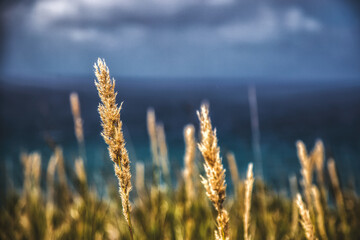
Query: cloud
[(131, 21), (176, 36)]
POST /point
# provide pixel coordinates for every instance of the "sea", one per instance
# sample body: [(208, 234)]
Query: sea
[(36, 116)]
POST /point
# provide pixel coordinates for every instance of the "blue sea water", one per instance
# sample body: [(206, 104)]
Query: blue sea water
[(36, 116)]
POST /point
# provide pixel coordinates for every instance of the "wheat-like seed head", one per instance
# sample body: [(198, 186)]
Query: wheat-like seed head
[(320, 213), (112, 133), (295, 212), (50, 178), (317, 156), (75, 109), (189, 158), (233, 169), (32, 173), (163, 150), (140, 178), (80, 170), (305, 219), (214, 182), (305, 161), (151, 127), (306, 172), (338, 195), (249, 182)]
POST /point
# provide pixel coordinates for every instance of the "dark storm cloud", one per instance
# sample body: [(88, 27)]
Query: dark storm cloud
[(183, 37), (188, 16)]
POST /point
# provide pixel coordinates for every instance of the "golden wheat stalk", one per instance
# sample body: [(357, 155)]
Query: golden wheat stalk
[(151, 127), (214, 182), (306, 172), (319, 212), (189, 158), (140, 179), (75, 109), (32, 173), (163, 153), (318, 159), (295, 212), (80, 170), (249, 182), (317, 156), (78, 124), (305, 219), (113, 135), (50, 179), (233, 171), (338, 194)]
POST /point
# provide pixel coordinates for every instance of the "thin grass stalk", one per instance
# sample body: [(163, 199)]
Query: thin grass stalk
[(249, 182), (151, 127), (113, 135), (163, 154), (318, 158), (140, 179), (295, 212), (320, 218), (305, 219), (306, 173), (50, 178), (234, 172), (189, 158), (338, 195), (78, 123), (214, 183)]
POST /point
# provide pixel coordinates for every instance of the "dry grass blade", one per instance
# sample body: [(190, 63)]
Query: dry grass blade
[(306, 172), (305, 219), (163, 153), (151, 127), (319, 212), (234, 172), (75, 109), (317, 156), (338, 195), (189, 158), (249, 182), (214, 182), (140, 179), (295, 212), (113, 135)]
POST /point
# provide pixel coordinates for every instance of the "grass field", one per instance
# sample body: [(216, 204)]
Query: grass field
[(60, 203)]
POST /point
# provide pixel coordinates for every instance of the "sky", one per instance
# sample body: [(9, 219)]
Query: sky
[(265, 39)]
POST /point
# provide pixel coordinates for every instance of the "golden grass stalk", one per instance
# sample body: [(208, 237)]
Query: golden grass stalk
[(234, 172), (163, 153), (306, 172), (305, 219), (60, 166), (50, 178), (32, 173), (189, 158), (50, 187), (214, 182), (338, 194), (335, 183), (78, 124), (317, 156), (319, 212), (113, 135), (318, 159), (80, 170), (140, 178), (295, 212), (151, 127), (249, 182)]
